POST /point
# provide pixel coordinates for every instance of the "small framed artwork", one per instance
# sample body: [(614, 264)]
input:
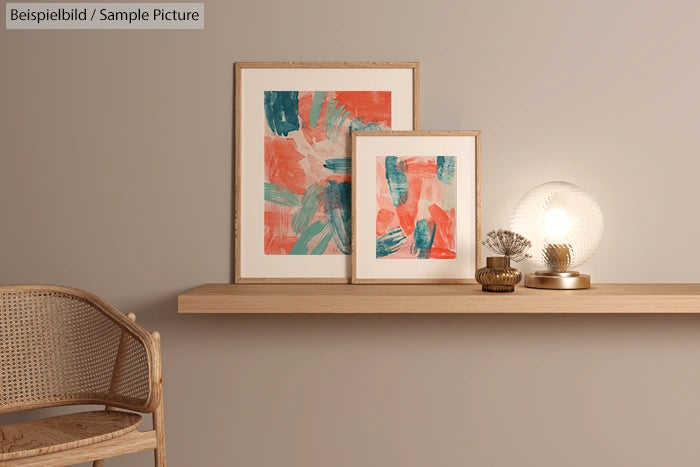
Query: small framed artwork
[(416, 206), (292, 142)]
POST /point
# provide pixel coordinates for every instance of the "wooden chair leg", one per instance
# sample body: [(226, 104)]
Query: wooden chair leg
[(159, 421), (158, 425)]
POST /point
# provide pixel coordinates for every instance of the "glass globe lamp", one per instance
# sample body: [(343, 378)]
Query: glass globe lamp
[(565, 225)]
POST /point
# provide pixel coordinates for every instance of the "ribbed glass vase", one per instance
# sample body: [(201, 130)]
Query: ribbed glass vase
[(498, 276)]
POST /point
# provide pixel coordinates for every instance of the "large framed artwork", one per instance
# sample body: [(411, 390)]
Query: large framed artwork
[(416, 206), (293, 175)]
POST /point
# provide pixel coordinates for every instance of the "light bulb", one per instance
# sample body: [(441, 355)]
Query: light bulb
[(556, 224)]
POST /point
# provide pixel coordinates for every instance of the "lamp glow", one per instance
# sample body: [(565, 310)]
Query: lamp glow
[(565, 226), (556, 224)]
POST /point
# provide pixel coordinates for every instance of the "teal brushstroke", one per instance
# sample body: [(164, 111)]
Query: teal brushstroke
[(359, 125), (326, 236), (390, 242), (335, 117), (446, 169), (310, 202), (306, 240), (423, 237), (448, 200), (338, 213), (282, 111), (279, 194), (316, 106), (397, 180), (340, 165)]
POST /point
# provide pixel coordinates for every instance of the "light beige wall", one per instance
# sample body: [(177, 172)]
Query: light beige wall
[(116, 177)]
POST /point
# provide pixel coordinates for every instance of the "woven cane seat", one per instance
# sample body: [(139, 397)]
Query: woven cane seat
[(47, 435)]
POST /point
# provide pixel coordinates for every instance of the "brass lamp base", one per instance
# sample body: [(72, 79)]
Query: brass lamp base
[(569, 280)]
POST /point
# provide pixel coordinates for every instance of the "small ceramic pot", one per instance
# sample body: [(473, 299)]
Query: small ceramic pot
[(498, 276)]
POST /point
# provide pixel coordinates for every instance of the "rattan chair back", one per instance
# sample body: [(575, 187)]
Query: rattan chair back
[(62, 346)]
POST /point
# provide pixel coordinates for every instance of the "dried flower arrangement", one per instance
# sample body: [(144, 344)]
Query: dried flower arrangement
[(509, 244)]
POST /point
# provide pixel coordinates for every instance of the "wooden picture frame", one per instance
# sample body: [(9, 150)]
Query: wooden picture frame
[(292, 155), (416, 207)]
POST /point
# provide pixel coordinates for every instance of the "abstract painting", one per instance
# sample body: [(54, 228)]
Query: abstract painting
[(308, 166), (415, 207), (293, 124)]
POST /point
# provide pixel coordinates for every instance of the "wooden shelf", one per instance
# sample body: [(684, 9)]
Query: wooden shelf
[(347, 298)]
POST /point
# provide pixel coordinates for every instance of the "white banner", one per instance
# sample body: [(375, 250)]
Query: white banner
[(104, 16)]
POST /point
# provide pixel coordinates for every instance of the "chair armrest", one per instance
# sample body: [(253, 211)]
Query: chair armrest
[(127, 366)]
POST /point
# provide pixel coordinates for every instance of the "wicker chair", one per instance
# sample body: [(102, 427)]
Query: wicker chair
[(61, 346)]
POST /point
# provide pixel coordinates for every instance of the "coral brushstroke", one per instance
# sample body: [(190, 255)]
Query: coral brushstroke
[(283, 164), (384, 218), (307, 166), (416, 208), (445, 233), (365, 106), (275, 229)]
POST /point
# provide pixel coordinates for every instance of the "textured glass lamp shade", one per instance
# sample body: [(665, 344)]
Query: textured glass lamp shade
[(565, 225)]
